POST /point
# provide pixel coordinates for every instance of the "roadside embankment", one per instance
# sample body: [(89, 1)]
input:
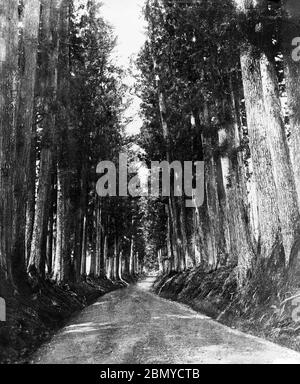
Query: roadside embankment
[(266, 306), (34, 315)]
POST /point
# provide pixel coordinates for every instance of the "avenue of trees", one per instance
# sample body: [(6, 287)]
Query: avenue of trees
[(61, 101), (220, 83)]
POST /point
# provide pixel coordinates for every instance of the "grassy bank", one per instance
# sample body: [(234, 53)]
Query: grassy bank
[(35, 314), (265, 307)]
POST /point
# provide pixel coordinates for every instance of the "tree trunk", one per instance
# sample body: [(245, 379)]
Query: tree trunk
[(84, 248), (8, 74), (213, 179), (30, 206), (170, 248), (212, 210), (24, 129), (282, 169), (62, 125), (131, 257), (120, 272), (94, 256), (50, 244), (178, 262), (49, 56), (116, 259), (187, 259), (110, 263), (79, 225), (290, 31), (61, 269), (78, 245), (160, 262), (136, 264), (126, 271), (105, 255), (241, 249), (92, 271), (100, 262), (268, 215), (50, 237)]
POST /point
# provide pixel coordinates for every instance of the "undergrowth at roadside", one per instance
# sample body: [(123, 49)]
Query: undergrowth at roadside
[(34, 315), (266, 306)]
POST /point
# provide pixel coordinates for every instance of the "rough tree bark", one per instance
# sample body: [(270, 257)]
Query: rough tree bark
[(8, 74), (29, 46), (30, 205), (176, 240), (79, 225), (62, 263), (241, 247), (269, 225), (282, 169), (48, 91), (290, 31)]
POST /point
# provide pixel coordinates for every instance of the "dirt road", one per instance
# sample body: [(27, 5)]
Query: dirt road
[(135, 326)]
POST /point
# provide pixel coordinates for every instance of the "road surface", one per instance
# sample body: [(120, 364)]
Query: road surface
[(134, 326)]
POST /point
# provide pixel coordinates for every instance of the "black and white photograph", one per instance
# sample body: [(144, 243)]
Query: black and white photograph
[(149, 186)]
